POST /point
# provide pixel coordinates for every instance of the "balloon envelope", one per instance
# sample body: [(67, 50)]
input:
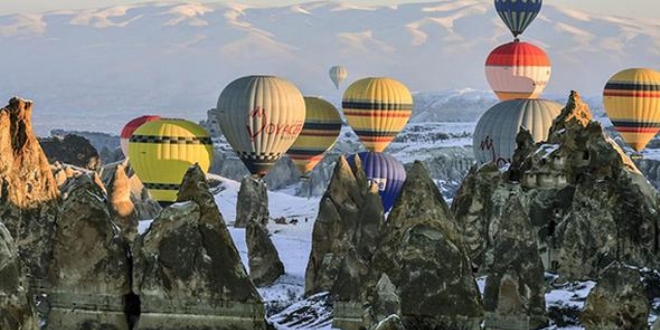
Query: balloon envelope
[(129, 128), (518, 14), (632, 102), (161, 151), (494, 137), (518, 70), (384, 170), (261, 117), (319, 134), (377, 109), (337, 74)]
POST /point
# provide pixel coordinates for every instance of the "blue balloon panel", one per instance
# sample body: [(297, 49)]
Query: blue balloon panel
[(384, 170)]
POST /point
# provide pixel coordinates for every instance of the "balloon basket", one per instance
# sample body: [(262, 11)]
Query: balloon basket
[(636, 156)]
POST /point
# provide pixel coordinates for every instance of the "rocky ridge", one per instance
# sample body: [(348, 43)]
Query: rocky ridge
[(588, 203)]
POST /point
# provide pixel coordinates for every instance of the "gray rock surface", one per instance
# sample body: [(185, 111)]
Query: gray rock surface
[(187, 270), (392, 322), (252, 203), (263, 259), (422, 252), (514, 297), (29, 197), (90, 271), (17, 309), (338, 224), (385, 301), (617, 302)]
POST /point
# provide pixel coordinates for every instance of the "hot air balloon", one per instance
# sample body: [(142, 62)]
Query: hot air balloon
[(261, 117), (518, 70), (518, 14), (161, 151), (338, 73), (319, 134), (377, 109), (632, 102), (385, 171), (494, 137), (128, 130)]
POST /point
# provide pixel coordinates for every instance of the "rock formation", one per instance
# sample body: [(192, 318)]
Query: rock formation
[(422, 252), (17, 310), (514, 297), (587, 202), (337, 225), (385, 301), (617, 302), (144, 207), (120, 203), (265, 264), (187, 270), (29, 197), (72, 149), (393, 322), (252, 203), (90, 271)]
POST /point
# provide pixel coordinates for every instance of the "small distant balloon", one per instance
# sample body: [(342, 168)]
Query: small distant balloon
[(518, 70), (632, 102), (494, 137), (261, 117), (129, 128), (385, 171), (319, 134), (518, 14), (377, 109), (337, 74), (161, 151)]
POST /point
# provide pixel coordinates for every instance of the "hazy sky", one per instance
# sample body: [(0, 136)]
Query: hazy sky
[(642, 8)]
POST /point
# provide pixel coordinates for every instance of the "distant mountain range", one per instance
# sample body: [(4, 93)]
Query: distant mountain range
[(95, 69)]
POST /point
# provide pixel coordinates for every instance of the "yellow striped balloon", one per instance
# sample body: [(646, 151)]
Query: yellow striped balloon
[(632, 102), (161, 152), (319, 134), (377, 109), (261, 117)]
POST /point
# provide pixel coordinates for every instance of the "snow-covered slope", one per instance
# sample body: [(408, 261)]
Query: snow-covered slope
[(94, 69)]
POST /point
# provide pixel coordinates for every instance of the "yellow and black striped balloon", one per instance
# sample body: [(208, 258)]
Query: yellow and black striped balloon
[(632, 102), (161, 152), (319, 134), (377, 109)]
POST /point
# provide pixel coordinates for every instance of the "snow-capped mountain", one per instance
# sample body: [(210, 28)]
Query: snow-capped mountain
[(95, 69)]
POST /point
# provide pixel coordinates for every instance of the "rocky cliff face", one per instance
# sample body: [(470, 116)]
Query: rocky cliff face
[(587, 202), (336, 226), (252, 203), (514, 296), (121, 206), (90, 271), (414, 264), (144, 208), (72, 149), (617, 302), (29, 198), (422, 252), (16, 305), (187, 270)]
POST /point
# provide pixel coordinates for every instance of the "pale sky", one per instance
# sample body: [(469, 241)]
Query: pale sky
[(631, 8)]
